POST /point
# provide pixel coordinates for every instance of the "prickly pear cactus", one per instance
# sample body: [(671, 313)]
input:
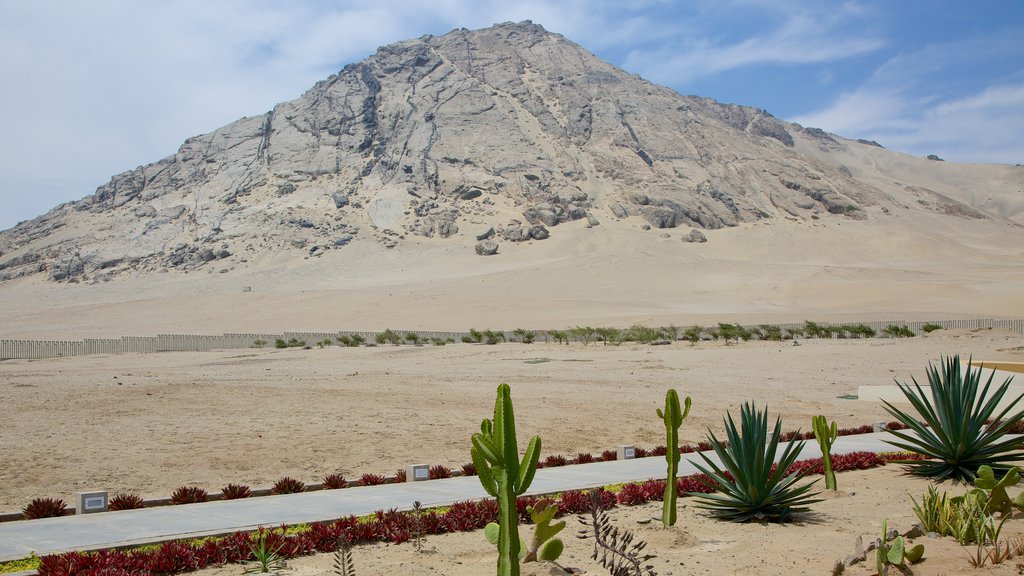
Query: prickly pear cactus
[(496, 456), (673, 419)]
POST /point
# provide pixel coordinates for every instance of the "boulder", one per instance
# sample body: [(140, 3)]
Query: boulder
[(539, 232), (340, 199), (487, 234), (487, 248), (695, 236), (659, 216)]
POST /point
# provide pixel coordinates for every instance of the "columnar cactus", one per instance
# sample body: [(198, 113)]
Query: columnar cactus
[(503, 476), (826, 436), (673, 418)]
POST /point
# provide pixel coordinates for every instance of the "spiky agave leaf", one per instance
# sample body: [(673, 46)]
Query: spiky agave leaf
[(953, 430), (750, 486)]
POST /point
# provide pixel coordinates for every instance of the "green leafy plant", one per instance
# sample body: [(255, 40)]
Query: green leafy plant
[(259, 343), (930, 327), (413, 338), (693, 334), (752, 487), (826, 435), (953, 432), (388, 336), (268, 557), (496, 457), (673, 418), (894, 553)]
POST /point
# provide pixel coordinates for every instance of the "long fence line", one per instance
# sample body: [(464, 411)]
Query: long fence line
[(40, 349)]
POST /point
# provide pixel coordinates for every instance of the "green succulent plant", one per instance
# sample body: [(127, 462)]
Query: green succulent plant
[(894, 553), (751, 486), (502, 474), (954, 432)]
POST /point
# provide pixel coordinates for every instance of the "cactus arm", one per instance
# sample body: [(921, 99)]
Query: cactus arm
[(529, 466), (483, 472), (485, 448)]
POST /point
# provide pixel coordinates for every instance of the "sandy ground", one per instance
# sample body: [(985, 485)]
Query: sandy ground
[(906, 267), (150, 423), (699, 545)]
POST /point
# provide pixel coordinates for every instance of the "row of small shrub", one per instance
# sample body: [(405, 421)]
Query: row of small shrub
[(50, 507), (382, 526), (637, 333)]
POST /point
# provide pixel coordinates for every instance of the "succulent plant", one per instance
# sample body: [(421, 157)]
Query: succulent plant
[(826, 436), (126, 502), (752, 487), (502, 475), (673, 418), (288, 485), (543, 545), (894, 553), (188, 495), (235, 492), (334, 482), (954, 432), (44, 508)]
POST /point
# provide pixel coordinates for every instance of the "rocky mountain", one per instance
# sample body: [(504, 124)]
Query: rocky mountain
[(474, 138)]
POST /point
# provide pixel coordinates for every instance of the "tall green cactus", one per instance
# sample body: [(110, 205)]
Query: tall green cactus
[(826, 436), (673, 418), (496, 457)]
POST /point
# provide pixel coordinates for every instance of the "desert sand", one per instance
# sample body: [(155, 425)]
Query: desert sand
[(616, 274), (151, 423)]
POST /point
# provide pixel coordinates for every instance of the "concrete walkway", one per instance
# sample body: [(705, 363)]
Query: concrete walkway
[(148, 525)]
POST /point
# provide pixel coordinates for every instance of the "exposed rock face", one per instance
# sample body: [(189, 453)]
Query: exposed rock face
[(427, 134)]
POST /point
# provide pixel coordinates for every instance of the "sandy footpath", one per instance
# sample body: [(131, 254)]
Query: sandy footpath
[(151, 423)]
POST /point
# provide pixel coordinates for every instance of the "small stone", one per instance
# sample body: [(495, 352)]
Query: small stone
[(643, 521)]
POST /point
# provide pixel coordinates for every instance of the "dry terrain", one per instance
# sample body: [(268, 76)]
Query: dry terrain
[(151, 423)]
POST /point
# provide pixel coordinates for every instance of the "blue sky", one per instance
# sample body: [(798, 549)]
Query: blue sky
[(95, 88)]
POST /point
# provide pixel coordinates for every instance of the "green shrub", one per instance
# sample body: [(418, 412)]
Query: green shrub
[(693, 334), (388, 336), (894, 331), (412, 337), (771, 332), (259, 343), (930, 327), (952, 429), (525, 336), (279, 343)]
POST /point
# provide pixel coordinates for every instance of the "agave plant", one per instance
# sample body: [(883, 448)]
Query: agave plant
[(751, 485), (953, 432)]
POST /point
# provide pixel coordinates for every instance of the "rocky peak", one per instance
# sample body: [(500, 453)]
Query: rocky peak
[(428, 136)]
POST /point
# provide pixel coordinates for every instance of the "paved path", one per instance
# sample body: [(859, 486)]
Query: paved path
[(130, 527)]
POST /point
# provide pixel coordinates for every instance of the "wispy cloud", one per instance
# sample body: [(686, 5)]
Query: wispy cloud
[(916, 103), (802, 34)]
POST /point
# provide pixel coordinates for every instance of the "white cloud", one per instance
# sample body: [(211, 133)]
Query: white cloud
[(914, 103), (806, 34)]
